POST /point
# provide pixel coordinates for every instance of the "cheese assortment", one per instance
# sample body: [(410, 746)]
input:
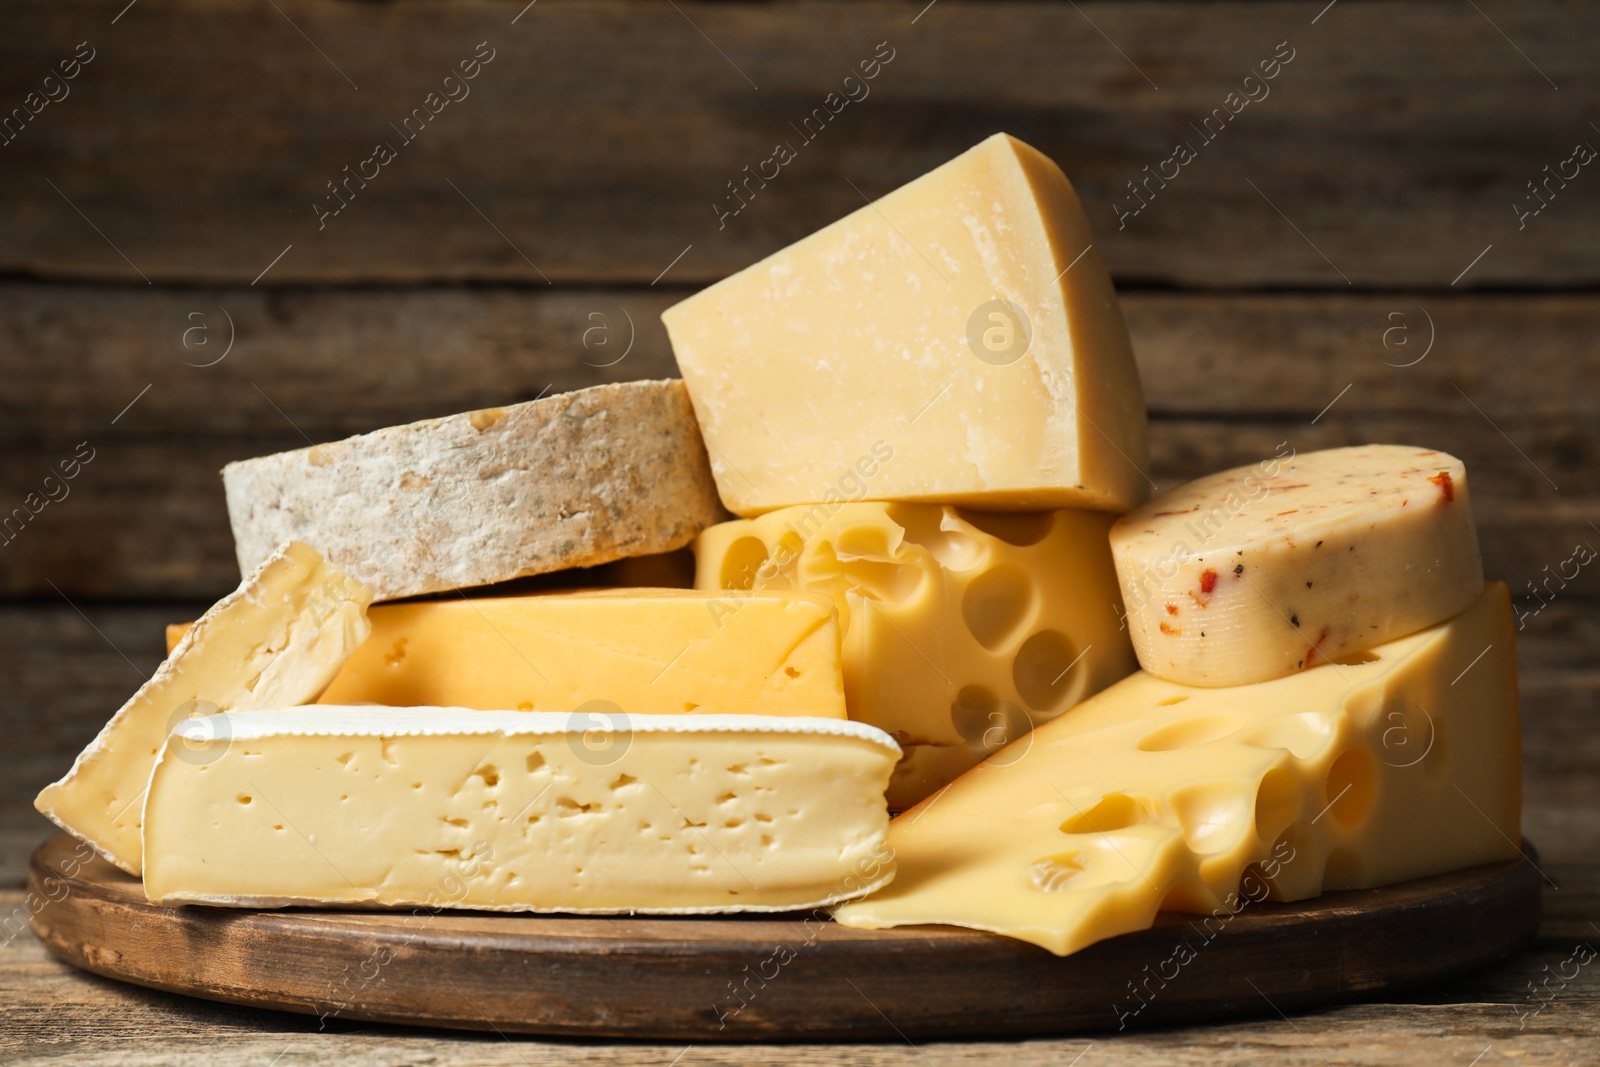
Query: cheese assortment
[(568, 481), (962, 630), (518, 811), (945, 592), (1261, 571), (1158, 795), (964, 323), (276, 641)]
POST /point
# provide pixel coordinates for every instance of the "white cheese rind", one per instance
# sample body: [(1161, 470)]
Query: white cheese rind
[(276, 640), (1260, 571), (518, 811), (573, 480)]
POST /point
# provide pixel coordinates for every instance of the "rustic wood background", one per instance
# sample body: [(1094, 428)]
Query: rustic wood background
[(1355, 258)]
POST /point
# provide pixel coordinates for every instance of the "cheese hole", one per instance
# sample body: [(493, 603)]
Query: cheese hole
[(1277, 802), (1189, 733), (727, 798), (1047, 672), (954, 548), (998, 604), (1167, 703), (623, 780), (1350, 788), (741, 562), (534, 762), (1014, 528), (734, 824), (687, 707), (986, 723), (244, 798), (1112, 812), (791, 672), (1214, 815), (1355, 659), (882, 580), (1305, 734), (489, 773), (1052, 874)]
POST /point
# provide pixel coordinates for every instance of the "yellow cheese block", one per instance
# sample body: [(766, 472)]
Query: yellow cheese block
[(956, 341), (512, 811), (1264, 570), (962, 629), (652, 651), (277, 640), (1155, 795)]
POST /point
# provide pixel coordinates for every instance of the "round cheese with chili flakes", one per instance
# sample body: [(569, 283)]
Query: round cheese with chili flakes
[(1296, 562)]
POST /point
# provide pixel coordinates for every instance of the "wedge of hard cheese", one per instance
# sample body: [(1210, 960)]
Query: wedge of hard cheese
[(962, 630), (518, 811), (275, 641), (650, 651), (569, 481), (956, 341), (1155, 795), (1260, 571)]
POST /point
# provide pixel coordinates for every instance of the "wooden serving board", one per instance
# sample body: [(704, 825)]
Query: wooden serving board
[(775, 978)]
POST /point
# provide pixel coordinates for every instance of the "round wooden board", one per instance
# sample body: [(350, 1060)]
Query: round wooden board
[(793, 977)]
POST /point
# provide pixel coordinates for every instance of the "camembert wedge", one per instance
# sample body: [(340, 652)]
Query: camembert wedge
[(518, 811)]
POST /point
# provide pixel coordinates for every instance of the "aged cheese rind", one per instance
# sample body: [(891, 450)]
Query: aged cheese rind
[(568, 481), (1154, 795), (854, 342), (519, 811), (276, 640), (962, 630), (1263, 570), (649, 651)]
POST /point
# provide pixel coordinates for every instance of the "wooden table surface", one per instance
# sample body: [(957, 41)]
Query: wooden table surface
[(1362, 254)]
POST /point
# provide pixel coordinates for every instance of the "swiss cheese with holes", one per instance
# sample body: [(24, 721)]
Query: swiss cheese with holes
[(1260, 571), (1401, 763), (962, 630), (517, 811)]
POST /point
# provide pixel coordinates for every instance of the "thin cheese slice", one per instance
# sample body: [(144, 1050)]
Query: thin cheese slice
[(518, 811), (957, 341), (1260, 571), (276, 640), (1155, 795), (572, 480), (649, 651), (962, 630)]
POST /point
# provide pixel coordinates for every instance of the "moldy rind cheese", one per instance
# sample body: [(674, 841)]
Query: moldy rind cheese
[(1159, 796), (1260, 571), (518, 811), (962, 629), (649, 651), (276, 640), (965, 321), (569, 481)]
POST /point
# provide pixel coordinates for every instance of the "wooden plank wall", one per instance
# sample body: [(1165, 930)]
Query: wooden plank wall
[(1354, 253)]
